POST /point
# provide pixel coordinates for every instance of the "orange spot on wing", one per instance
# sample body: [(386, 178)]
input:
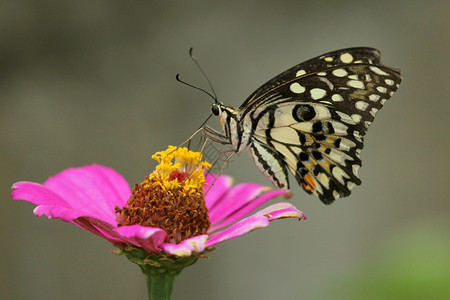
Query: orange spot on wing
[(309, 183)]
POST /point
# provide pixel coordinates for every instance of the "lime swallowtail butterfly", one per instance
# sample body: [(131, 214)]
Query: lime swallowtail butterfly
[(311, 120)]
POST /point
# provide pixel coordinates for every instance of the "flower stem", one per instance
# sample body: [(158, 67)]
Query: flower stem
[(159, 282), (160, 270)]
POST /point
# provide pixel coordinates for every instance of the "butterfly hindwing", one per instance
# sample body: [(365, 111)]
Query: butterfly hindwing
[(270, 163), (317, 150)]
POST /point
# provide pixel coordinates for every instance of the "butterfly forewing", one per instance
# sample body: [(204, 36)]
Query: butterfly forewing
[(316, 121), (316, 64)]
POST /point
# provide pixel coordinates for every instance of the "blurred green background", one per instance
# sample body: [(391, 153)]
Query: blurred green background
[(94, 81)]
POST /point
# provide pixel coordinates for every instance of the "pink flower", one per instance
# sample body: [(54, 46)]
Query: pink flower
[(94, 198)]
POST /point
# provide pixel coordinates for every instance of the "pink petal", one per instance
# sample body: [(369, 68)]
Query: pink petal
[(281, 210), (248, 205), (239, 201), (234, 199), (49, 203), (286, 213), (101, 229), (91, 191), (218, 190), (240, 228), (258, 220), (149, 238), (187, 247), (93, 188)]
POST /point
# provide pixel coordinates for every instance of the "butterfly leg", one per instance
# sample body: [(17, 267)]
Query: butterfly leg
[(216, 136), (208, 133), (232, 153), (191, 137)]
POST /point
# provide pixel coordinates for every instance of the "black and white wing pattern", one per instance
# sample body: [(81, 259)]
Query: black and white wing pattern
[(311, 120)]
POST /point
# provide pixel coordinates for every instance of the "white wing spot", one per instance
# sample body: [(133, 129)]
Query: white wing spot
[(389, 81), (356, 84), (328, 58), (324, 79), (336, 194), (361, 105), (350, 185), (345, 118), (337, 98), (300, 73), (322, 73), (366, 124), (374, 97), (339, 73), (354, 76), (323, 179), (357, 135), (317, 93), (339, 174), (338, 156), (378, 71), (373, 111), (339, 128), (368, 78), (322, 113), (356, 118), (355, 169), (383, 101), (346, 58), (346, 144), (381, 89), (297, 88)]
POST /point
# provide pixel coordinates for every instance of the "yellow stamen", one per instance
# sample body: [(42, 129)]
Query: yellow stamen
[(172, 197)]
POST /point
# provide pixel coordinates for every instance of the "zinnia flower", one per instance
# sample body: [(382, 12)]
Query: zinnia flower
[(174, 212)]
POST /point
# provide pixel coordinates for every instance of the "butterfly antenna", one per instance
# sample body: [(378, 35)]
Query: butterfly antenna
[(200, 89), (203, 72), (195, 87), (214, 95)]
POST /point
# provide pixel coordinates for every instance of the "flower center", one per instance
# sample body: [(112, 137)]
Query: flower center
[(171, 198)]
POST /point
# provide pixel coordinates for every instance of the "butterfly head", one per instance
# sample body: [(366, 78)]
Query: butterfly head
[(215, 109), (224, 113)]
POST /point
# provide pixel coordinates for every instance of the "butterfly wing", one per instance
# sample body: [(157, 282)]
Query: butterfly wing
[(315, 122), (332, 59), (270, 163)]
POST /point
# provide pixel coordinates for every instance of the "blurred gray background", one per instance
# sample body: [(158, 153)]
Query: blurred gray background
[(94, 81)]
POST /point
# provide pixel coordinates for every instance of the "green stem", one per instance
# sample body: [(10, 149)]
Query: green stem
[(160, 271), (159, 282)]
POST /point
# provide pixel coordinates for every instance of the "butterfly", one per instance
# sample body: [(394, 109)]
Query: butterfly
[(310, 120)]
